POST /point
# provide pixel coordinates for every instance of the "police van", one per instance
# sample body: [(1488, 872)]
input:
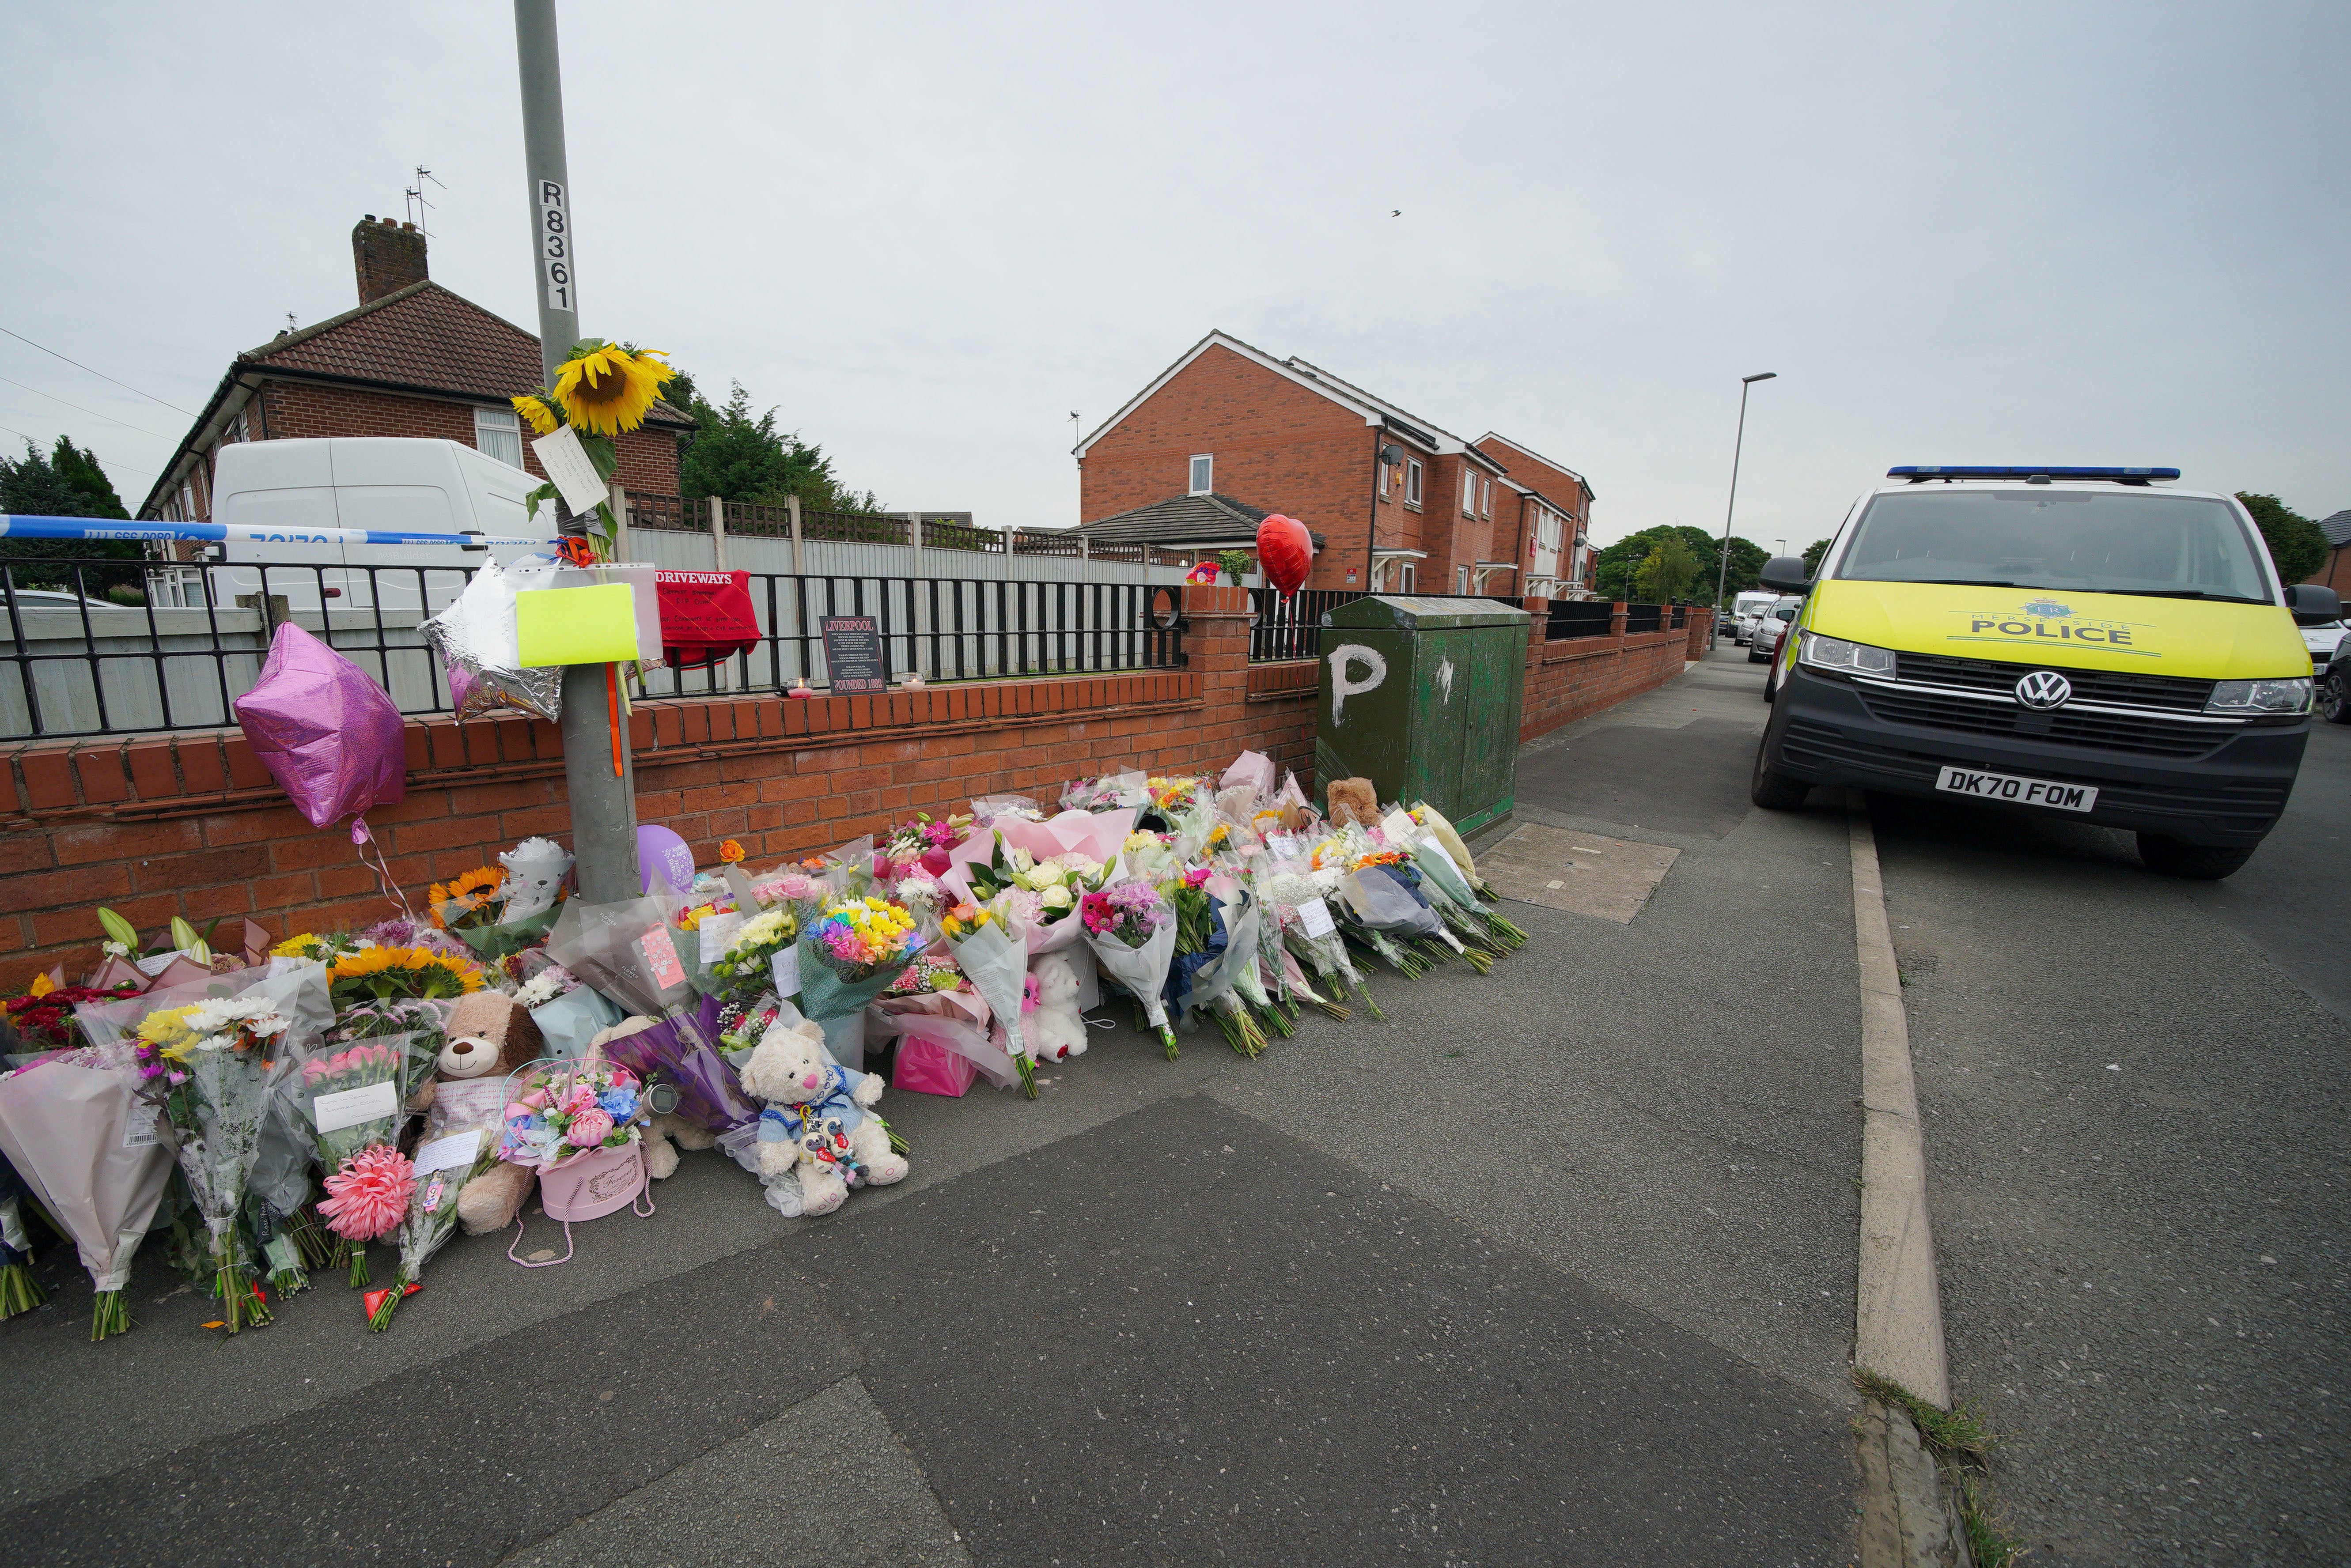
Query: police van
[(2090, 643)]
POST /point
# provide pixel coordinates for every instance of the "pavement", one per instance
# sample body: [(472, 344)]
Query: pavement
[(2134, 1100), (1556, 1265)]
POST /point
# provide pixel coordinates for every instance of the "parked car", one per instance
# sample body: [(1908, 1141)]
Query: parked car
[(1770, 627), (2335, 685), (2322, 641), (1745, 609)]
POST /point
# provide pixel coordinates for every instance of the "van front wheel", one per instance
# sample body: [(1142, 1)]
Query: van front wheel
[(1775, 791), (2195, 862)]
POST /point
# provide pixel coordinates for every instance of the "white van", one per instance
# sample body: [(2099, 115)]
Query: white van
[(290, 488), (1747, 609)]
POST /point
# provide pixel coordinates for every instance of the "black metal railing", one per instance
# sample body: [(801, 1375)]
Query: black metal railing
[(75, 662), (1641, 618), (1572, 618), (1291, 627)]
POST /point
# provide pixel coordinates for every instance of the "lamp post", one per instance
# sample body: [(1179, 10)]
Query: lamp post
[(603, 807), (1722, 570)]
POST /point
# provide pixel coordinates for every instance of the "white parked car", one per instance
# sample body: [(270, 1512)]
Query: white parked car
[(1770, 627), (2322, 641)]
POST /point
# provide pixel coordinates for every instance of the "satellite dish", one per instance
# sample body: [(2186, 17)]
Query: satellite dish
[(1391, 452)]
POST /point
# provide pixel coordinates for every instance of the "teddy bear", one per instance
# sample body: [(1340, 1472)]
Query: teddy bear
[(668, 1132), (1354, 801), (1055, 1029), (535, 869), (490, 1035), (816, 1122)]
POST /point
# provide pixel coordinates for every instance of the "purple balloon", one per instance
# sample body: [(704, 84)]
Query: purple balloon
[(660, 852), (327, 732)]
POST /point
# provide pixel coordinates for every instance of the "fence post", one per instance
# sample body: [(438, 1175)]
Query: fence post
[(1617, 609), (792, 504), (915, 541), (619, 499), (718, 532)]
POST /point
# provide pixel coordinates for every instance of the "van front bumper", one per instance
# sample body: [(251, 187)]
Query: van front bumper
[(1824, 733)]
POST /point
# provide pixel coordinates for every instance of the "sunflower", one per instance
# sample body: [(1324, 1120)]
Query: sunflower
[(464, 894), (540, 414), (385, 972), (607, 388)]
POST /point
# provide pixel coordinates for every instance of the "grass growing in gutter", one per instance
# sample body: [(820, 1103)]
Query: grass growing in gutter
[(1962, 1444)]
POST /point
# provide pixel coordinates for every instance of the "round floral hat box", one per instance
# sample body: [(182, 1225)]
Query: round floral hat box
[(593, 1185)]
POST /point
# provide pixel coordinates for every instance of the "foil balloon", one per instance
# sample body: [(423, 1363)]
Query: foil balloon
[(476, 642), (662, 853), (325, 730), (1285, 550)]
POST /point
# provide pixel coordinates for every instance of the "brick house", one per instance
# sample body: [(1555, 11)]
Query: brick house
[(2336, 573), (1401, 504), (414, 358)]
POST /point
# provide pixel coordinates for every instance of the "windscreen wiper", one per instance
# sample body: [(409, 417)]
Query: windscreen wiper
[(2181, 593)]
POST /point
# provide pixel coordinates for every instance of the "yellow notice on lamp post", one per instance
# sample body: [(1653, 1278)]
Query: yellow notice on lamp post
[(593, 626)]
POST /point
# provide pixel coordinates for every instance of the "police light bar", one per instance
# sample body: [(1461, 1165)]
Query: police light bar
[(2010, 471)]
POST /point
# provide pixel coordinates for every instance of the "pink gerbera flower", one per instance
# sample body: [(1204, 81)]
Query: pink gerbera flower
[(369, 1196)]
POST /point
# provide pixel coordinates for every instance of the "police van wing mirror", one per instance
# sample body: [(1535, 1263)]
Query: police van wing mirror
[(2312, 605), (1786, 573)]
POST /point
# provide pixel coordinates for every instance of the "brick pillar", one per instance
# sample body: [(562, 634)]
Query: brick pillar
[(1701, 627), (1215, 649), (1616, 620)]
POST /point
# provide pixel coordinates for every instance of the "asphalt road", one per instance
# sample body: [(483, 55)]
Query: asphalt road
[(1554, 1266), (2135, 1098)]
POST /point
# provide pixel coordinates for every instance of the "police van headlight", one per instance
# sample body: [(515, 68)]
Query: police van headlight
[(2290, 695), (1849, 658)]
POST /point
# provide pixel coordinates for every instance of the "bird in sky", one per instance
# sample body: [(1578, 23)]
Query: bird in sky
[(1397, 214)]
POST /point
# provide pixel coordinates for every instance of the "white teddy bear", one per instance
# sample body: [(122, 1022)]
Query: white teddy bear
[(535, 869), (815, 1120), (1056, 1029)]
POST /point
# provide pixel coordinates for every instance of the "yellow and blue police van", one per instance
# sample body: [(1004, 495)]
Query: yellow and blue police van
[(2088, 642)]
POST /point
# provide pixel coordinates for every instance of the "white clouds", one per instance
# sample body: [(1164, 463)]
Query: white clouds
[(928, 233)]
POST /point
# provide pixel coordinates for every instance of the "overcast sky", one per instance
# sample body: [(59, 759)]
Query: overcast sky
[(2059, 234)]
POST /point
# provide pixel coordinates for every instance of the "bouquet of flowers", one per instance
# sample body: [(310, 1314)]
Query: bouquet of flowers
[(1298, 897), (355, 1098), (42, 1018), (1186, 808), (802, 894), (1214, 940), (1131, 927), (748, 963), (18, 1290), (852, 952), (387, 990), (211, 1063), (84, 1139), (472, 901), (310, 946), (740, 1026), (995, 960), (1444, 859), (462, 1136), (1110, 792), (563, 1113), (925, 843)]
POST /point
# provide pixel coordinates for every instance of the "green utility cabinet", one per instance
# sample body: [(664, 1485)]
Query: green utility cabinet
[(1422, 696)]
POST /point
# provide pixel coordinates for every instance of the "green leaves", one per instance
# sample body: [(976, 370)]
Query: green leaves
[(2296, 544)]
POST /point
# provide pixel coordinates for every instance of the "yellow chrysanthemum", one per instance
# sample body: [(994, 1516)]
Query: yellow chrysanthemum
[(294, 947), (167, 1030), (538, 414), (608, 388)]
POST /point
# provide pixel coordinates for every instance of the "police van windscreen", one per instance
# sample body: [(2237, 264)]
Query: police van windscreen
[(2128, 541)]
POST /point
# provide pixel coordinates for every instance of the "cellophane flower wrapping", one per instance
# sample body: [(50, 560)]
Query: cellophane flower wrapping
[(86, 1141), (683, 1051), (1131, 930), (852, 953), (354, 1097), (461, 1138), (995, 960), (213, 1063)]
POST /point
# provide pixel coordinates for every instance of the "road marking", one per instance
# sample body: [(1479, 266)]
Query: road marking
[(1898, 1306)]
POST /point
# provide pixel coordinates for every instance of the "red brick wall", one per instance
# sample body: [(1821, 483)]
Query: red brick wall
[(1578, 677), (1277, 446), (2336, 573), (300, 410), (192, 825), (1558, 485)]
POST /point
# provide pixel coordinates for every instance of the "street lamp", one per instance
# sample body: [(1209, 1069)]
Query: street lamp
[(1722, 572)]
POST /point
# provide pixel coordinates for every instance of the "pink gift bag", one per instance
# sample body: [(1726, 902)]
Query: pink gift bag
[(926, 1067), (589, 1186)]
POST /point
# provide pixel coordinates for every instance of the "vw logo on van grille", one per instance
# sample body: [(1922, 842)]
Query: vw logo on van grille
[(2043, 690)]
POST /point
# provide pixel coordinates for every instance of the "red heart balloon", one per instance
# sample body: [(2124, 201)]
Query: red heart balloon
[(1285, 550)]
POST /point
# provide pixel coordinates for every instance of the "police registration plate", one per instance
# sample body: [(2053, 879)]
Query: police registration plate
[(2023, 792)]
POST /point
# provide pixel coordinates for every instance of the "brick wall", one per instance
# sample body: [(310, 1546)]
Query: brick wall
[(192, 824), (1277, 446), (1578, 677)]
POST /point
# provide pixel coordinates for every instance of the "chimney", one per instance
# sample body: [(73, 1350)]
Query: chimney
[(387, 256)]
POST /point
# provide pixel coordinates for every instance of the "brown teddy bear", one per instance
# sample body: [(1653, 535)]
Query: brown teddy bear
[(490, 1037), (1354, 801)]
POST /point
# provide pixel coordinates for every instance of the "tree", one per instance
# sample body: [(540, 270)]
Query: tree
[(1813, 553), (1668, 568), (34, 487), (79, 469), (1615, 567), (739, 457), (2296, 544)]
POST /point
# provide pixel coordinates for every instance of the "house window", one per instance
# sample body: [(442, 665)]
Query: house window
[(1485, 498), (1383, 480), (1203, 473), (497, 434), (1469, 493), (1412, 482), (1460, 579)]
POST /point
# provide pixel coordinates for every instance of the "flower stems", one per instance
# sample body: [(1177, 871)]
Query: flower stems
[(19, 1291), (242, 1305), (1167, 1038), (1028, 1071), (111, 1316), (399, 1289), (355, 1253)]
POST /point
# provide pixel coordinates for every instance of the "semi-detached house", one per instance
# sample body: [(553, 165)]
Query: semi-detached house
[(1399, 504)]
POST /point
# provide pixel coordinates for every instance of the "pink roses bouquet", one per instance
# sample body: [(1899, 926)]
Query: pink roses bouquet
[(565, 1111)]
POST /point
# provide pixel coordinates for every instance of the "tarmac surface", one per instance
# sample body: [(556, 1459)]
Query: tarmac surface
[(1556, 1265), (2135, 1102)]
